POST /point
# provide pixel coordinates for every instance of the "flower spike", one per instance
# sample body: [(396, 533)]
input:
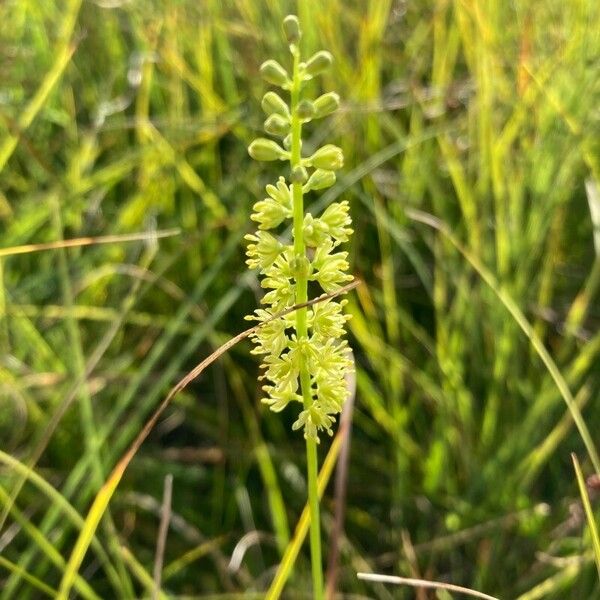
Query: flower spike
[(305, 358)]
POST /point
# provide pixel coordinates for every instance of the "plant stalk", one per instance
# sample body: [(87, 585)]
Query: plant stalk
[(302, 332)]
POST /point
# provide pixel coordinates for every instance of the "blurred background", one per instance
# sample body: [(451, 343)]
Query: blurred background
[(471, 135)]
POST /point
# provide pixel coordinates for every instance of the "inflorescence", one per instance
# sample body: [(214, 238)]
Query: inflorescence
[(305, 351)]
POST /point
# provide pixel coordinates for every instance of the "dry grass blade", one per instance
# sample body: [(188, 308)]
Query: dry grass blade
[(592, 189), (88, 241), (165, 517), (106, 492), (423, 583)]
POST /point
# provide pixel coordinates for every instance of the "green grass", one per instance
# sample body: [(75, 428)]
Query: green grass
[(469, 130)]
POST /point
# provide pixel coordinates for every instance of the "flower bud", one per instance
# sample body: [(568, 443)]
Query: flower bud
[(280, 193), (274, 73), (329, 157), (277, 125), (299, 175), (319, 180), (338, 221), (263, 251), (274, 104), (305, 110), (264, 149), (269, 213), (315, 231), (318, 63), (326, 104), (291, 27), (287, 142), (302, 266)]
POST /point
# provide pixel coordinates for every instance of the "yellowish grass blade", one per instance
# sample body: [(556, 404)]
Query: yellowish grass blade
[(88, 241), (63, 55)]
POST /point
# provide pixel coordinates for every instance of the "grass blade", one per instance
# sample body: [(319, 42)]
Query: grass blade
[(589, 513), (422, 583), (523, 323), (34, 581)]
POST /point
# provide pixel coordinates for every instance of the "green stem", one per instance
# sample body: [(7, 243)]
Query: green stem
[(302, 333)]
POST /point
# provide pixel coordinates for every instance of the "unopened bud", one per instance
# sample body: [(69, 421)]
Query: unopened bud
[(287, 142), (264, 149), (277, 125), (326, 104), (319, 180), (318, 63), (305, 110), (329, 157), (274, 73), (302, 267), (315, 232), (291, 27), (298, 175), (272, 103)]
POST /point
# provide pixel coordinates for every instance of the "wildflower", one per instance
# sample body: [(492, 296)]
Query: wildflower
[(310, 341)]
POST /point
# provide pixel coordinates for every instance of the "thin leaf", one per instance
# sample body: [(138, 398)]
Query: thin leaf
[(589, 513)]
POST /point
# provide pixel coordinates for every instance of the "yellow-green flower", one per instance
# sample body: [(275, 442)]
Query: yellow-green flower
[(320, 352)]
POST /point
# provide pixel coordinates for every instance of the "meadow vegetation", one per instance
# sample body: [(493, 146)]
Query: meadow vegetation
[(471, 136)]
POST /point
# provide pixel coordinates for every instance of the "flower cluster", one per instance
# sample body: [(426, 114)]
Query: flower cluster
[(315, 347)]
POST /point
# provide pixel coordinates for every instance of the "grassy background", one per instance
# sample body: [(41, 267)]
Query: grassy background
[(134, 117)]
